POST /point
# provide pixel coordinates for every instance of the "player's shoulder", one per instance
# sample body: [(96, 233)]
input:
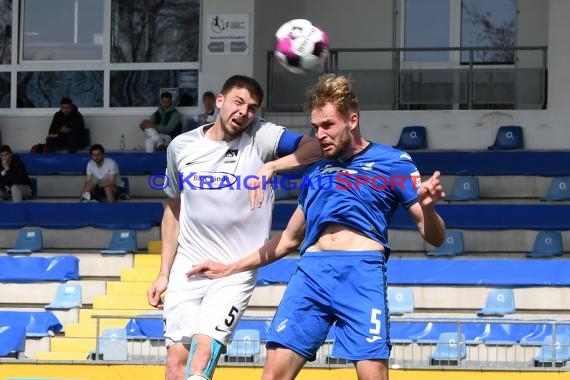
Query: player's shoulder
[(389, 154), (257, 123)]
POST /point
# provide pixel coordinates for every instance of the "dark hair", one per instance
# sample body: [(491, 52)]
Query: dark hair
[(5, 148), (208, 94), (241, 81), (96, 147), (166, 94), (65, 100)]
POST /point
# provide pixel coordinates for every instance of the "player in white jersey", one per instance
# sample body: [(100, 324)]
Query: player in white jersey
[(210, 215)]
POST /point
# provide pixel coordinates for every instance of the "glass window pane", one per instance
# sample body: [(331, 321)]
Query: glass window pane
[(420, 30), (44, 89), (5, 32), (488, 23), (142, 88), (4, 90), (155, 31), (63, 30)]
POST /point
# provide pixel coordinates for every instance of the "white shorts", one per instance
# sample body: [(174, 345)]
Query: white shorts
[(199, 305)]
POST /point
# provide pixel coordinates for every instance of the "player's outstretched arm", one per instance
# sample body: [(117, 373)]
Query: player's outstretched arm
[(279, 246), (169, 236), (308, 152), (429, 222)]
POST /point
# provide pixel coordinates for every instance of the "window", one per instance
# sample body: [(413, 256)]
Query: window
[(465, 23), (142, 88), (421, 31), (45, 89), (77, 35), (155, 31), (488, 23), (5, 32)]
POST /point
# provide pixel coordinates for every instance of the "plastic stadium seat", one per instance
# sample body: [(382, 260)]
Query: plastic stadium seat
[(559, 190), (112, 345), (448, 350), (553, 357), (400, 300), (29, 240), (244, 346), (452, 246), (547, 244), (122, 241), (499, 302), (412, 137), (464, 189), (508, 137), (68, 296)]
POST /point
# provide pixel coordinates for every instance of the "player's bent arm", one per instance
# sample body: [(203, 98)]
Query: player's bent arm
[(429, 223), (279, 246), (170, 227)]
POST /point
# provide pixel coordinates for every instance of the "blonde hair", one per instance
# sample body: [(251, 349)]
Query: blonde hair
[(335, 89)]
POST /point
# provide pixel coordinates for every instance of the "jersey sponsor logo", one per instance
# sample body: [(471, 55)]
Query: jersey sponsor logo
[(417, 179), (208, 180), (368, 166)]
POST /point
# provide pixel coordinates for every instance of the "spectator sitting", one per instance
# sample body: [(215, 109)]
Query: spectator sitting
[(14, 180), (163, 125), (67, 129), (207, 115), (102, 179)]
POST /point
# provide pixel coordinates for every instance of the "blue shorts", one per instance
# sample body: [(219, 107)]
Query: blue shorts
[(343, 287)]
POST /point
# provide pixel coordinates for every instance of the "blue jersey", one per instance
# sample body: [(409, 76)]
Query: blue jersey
[(361, 193)]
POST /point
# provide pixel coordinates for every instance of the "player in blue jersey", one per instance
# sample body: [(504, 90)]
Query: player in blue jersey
[(341, 275)]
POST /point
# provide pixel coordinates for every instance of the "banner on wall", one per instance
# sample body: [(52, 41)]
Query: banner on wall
[(227, 33)]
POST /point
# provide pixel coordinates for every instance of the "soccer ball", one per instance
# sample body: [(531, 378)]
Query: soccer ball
[(301, 47)]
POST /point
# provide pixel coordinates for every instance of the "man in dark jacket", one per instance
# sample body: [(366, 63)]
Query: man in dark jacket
[(14, 180), (67, 128)]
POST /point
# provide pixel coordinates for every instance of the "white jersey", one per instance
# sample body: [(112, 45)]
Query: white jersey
[(216, 222), (102, 173)]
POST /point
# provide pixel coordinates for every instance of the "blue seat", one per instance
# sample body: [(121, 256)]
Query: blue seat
[(452, 246), (555, 353), (547, 244), (122, 241), (112, 345), (508, 137), (400, 300), (449, 349), (68, 296), (29, 240), (464, 189), (412, 137), (558, 190), (12, 340), (499, 302), (244, 347)]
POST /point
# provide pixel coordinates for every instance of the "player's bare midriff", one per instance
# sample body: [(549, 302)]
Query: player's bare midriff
[(337, 237)]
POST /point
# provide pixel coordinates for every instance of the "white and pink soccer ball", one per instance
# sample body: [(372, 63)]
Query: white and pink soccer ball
[(301, 47)]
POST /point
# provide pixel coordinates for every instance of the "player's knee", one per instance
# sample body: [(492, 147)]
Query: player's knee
[(175, 366)]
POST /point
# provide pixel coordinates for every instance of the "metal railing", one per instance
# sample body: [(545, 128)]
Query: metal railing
[(386, 79), (547, 346)]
